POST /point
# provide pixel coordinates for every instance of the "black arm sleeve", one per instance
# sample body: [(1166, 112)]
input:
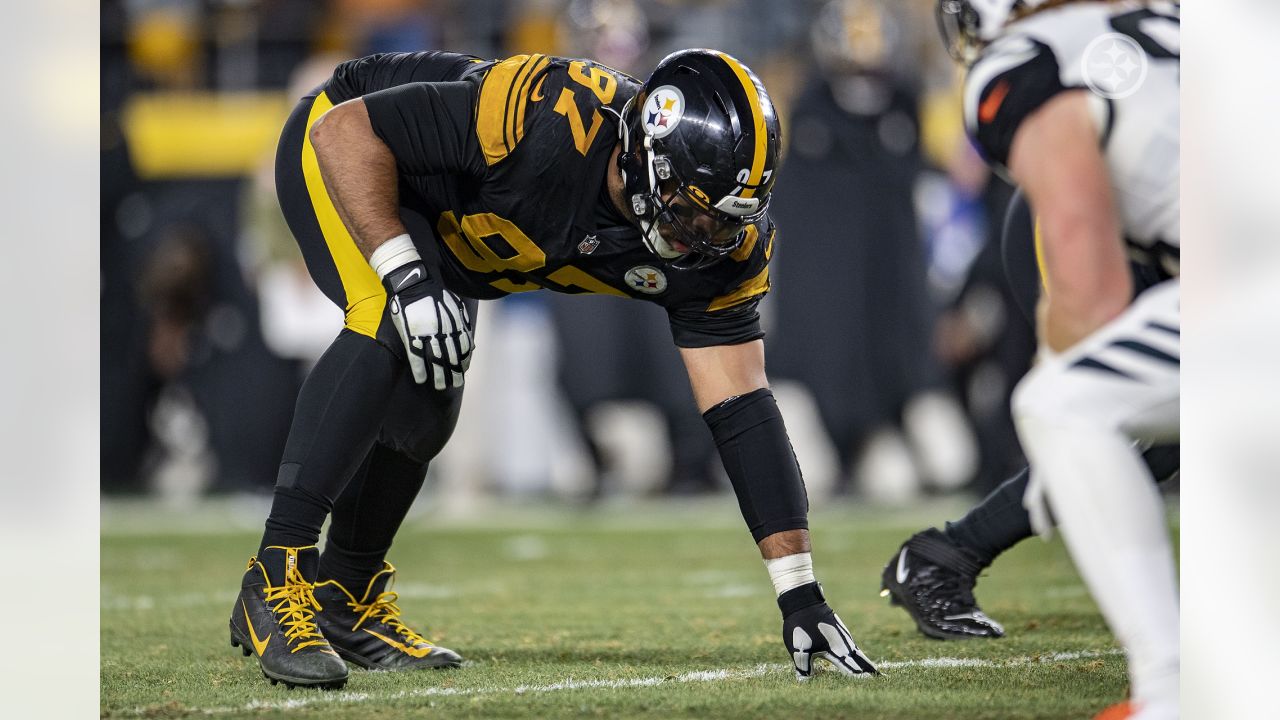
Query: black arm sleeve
[(430, 127), (761, 464)]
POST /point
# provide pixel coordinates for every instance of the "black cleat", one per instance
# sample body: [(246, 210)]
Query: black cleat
[(368, 631), (932, 578), (274, 618)]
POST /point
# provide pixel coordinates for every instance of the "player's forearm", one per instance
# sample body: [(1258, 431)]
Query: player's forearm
[(787, 542), (1056, 159), (1088, 280), (359, 172)]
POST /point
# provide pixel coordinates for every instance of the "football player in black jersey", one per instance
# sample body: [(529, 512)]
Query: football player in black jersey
[(417, 183), (1077, 102)]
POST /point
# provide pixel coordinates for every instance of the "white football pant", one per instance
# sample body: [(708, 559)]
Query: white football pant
[(1078, 415)]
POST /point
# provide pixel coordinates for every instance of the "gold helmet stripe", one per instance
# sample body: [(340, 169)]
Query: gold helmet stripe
[(757, 118)]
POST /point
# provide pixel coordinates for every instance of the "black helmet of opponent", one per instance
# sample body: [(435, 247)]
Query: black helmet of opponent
[(700, 148)]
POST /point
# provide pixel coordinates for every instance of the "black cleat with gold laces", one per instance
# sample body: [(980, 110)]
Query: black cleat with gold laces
[(367, 630), (274, 618)]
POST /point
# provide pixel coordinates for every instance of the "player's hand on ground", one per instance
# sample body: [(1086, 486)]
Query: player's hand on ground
[(432, 323), (812, 630)]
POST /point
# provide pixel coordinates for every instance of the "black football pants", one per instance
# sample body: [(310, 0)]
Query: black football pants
[(363, 431)]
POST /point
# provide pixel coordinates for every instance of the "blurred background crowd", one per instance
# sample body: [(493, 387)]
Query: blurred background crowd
[(893, 339)]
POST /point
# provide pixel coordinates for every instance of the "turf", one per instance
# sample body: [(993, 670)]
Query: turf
[(659, 610)]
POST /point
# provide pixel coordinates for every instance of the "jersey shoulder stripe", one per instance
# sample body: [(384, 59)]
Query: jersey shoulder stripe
[(504, 94), (757, 284)]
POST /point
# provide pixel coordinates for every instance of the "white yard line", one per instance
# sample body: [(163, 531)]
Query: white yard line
[(697, 676)]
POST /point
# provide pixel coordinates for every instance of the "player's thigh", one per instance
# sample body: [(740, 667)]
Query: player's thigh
[(296, 203), (333, 259), (1124, 377)]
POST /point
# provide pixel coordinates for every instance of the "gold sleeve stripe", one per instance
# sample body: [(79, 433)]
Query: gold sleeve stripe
[(503, 96), (572, 277), (748, 244), (1044, 272), (521, 98), (491, 111), (365, 295), (757, 285), (768, 249), (757, 119), (512, 286)]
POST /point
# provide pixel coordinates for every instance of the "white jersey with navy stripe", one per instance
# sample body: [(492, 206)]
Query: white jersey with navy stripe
[(1127, 56)]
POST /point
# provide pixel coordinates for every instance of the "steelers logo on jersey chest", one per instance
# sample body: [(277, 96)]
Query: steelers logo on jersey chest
[(663, 110), (647, 279)]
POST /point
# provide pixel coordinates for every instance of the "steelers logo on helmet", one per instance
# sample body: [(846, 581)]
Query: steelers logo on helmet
[(663, 110)]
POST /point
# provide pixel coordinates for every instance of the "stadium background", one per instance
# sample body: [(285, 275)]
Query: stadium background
[(891, 339)]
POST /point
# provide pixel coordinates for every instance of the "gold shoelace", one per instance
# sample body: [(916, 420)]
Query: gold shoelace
[(384, 610), (296, 607)]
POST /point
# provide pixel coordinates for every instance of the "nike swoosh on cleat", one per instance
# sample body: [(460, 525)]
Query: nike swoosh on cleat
[(258, 645), (411, 652), (901, 574)]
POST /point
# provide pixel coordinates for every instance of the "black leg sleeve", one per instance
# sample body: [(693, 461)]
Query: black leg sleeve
[(368, 514), (757, 455), (1000, 521), (339, 412), (997, 523)]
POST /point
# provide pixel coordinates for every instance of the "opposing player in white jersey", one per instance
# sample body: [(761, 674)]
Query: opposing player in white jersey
[(1077, 101)]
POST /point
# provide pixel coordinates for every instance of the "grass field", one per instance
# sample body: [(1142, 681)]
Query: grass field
[(655, 610)]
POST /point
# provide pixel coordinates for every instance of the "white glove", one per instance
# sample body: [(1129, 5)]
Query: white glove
[(811, 629), (432, 322)]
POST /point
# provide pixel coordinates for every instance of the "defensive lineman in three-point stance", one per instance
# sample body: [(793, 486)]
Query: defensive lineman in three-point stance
[(1078, 102), (413, 181)]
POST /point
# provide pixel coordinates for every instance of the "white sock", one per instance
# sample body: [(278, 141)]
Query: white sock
[(1112, 520), (790, 571)]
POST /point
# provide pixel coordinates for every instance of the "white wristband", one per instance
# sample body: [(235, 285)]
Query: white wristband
[(790, 571), (392, 254)]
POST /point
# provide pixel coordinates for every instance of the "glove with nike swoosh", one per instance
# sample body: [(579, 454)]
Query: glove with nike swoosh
[(812, 630), (432, 321)]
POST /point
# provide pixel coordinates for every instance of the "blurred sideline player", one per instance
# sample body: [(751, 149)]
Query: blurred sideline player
[(1099, 166), (414, 180)]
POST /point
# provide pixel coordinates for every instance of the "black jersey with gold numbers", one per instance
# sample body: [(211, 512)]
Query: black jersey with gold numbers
[(508, 160)]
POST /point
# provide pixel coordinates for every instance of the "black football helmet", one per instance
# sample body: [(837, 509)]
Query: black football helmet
[(699, 153)]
